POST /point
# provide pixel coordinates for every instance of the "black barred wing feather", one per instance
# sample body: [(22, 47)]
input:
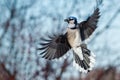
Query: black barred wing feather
[(87, 27), (53, 47)]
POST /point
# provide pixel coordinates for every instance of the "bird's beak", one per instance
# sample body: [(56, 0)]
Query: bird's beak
[(66, 20)]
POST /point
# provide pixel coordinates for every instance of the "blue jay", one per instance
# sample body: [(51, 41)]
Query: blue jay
[(57, 45)]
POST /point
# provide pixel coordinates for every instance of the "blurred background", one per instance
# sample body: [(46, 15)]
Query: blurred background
[(22, 22)]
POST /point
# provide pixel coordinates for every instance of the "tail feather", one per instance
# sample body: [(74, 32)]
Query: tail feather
[(87, 63)]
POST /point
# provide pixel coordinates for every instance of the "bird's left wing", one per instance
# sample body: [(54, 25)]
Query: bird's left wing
[(54, 46), (87, 27)]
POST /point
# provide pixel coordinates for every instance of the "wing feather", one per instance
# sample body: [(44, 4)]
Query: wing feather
[(88, 27), (54, 46)]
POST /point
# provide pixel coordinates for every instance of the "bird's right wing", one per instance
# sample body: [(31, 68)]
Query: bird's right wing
[(54, 46)]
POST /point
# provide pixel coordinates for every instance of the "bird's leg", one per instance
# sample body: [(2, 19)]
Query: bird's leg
[(80, 50), (83, 45), (84, 48)]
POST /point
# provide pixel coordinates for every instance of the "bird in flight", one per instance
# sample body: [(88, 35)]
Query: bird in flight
[(58, 44)]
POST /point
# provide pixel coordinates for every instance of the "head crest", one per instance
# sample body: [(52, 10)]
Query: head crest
[(73, 18)]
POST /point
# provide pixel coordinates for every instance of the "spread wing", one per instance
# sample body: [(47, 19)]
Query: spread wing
[(87, 27), (54, 46)]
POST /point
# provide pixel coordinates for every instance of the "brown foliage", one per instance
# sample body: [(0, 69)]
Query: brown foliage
[(101, 74), (4, 74)]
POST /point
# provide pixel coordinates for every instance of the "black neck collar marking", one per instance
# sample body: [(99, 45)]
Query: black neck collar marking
[(74, 27)]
